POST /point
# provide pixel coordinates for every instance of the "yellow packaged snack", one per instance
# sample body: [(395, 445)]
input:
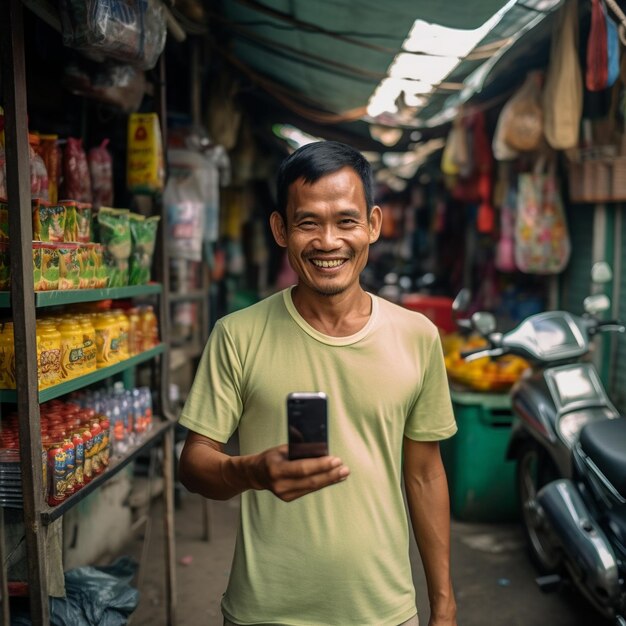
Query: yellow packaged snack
[(145, 172)]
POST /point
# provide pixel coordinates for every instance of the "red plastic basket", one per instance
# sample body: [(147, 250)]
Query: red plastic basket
[(438, 309)]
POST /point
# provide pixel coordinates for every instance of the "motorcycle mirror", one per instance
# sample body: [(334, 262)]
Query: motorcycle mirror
[(462, 300), (601, 272), (484, 323), (596, 304)]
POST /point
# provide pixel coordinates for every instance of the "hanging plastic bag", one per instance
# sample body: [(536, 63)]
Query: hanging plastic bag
[(596, 76), (542, 243), (145, 172), (563, 89), (523, 117), (133, 32)]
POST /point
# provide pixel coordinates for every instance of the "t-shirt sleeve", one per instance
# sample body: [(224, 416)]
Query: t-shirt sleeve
[(213, 406), (432, 417)]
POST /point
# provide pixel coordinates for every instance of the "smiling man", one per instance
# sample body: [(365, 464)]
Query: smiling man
[(325, 541)]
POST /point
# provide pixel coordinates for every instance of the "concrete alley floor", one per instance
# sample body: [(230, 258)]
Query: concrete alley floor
[(493, 578)]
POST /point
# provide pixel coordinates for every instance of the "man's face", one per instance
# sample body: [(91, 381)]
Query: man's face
[(327, 234)]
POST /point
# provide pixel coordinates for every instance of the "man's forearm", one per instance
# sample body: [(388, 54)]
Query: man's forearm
[(429, 507), (214, 474), (430, 516)]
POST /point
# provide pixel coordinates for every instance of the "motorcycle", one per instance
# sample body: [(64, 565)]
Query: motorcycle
[(569, 442)]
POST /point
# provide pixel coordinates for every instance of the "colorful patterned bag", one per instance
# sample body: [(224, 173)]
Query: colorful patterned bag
[(542, 243)]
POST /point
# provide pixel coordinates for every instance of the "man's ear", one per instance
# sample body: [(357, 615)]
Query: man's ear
[(279, 229), (376, 222)]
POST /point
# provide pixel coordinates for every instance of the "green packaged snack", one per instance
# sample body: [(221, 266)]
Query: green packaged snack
[(101, 274), (5, 267), (70, 233), (48, 221), (45, 266), (143, 236), (84, 226), (69, 266), (4, 220), (87, 269), (114, 229)]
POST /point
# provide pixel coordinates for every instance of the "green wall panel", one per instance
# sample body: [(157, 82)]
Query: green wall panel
[(618, 382), (575, 284)]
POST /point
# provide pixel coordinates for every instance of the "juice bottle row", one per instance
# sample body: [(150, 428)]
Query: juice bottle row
[(78, 342), (79, 437)]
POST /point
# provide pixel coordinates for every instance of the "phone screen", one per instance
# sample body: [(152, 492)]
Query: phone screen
[(307, 418)]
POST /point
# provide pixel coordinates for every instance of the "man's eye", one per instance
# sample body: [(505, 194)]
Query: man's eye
[(348, 222), (306, 224)]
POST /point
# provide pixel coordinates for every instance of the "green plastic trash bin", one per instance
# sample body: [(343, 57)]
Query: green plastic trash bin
[(480, 479)]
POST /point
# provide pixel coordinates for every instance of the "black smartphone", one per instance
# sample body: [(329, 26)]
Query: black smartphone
[(307, 420)]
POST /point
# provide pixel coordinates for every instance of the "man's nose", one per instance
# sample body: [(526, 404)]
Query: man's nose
[(329, 237)]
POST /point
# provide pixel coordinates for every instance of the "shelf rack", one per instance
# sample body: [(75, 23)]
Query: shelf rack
[(10, 395), (75, 296), (24, 302)]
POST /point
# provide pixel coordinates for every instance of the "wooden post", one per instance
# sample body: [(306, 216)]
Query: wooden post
[(13, 72), (162, 265)]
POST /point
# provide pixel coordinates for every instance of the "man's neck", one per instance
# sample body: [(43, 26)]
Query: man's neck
[(340, 315)]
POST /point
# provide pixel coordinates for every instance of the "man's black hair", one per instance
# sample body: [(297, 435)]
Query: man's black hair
[(315, 160)]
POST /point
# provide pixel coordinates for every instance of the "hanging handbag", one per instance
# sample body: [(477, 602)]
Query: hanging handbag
[(563, 89), (542, 243)]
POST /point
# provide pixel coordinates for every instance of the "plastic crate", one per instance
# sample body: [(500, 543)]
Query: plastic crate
[(438, 309), (480, 479)]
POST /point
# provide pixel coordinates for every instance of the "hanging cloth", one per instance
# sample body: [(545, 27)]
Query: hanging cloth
[(596, 76)]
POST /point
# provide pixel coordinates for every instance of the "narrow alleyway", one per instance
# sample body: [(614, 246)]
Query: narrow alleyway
[(493, 579)]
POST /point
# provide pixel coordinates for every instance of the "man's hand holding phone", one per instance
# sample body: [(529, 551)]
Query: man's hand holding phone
[(291, 479)]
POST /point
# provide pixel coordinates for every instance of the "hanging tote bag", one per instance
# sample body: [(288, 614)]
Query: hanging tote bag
[(563, 89), (542, 243), (523, 116), (596, 76)]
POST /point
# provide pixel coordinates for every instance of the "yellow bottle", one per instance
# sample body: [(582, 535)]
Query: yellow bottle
[(48, 353), (124, 328), (7, 357), (72, 357), (104, 335), (89, 343)]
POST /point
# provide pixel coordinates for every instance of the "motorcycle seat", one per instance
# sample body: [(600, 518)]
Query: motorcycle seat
[(604, 442)]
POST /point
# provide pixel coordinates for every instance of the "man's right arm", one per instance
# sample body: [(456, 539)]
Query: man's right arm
[(206, 469)]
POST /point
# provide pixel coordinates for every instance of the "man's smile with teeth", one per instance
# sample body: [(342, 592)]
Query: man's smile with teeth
[(333, 263)]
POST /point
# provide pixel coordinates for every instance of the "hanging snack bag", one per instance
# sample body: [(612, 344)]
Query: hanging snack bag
[(145, 172), (143, 236), (38, 171), (101, 171), (50, 153), (114, 230), (48, 221), (77, 184)]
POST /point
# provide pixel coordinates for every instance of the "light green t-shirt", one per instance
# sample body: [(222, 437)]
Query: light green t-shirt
[(339, 556)]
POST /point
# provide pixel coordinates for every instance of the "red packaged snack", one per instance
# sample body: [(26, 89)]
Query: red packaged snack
[(101, 170), (77, 182)]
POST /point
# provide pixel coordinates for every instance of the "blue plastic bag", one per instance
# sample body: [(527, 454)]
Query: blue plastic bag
[(95, 596)]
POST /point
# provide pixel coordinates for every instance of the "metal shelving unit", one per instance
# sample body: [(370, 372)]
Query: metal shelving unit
[(24, 302), (74, 296)]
